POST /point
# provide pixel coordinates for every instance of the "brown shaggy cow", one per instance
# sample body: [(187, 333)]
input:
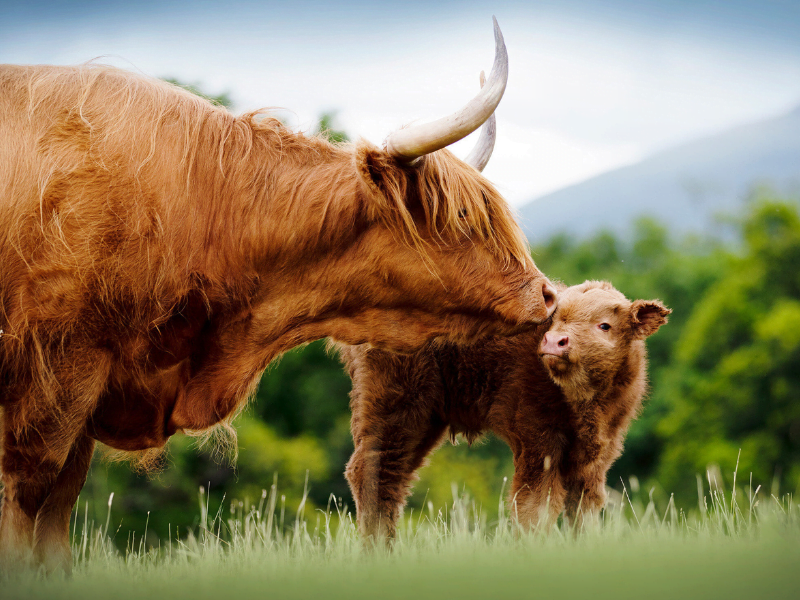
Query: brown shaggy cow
[(156, 253), (562, 397)]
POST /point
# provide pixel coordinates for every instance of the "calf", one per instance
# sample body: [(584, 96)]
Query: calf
[(562, 396)]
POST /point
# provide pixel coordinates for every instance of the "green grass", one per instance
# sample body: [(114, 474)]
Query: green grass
[(738, 544)]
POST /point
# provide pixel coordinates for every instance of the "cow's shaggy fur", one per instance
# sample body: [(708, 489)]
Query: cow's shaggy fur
[(561, 396), (157, 252)]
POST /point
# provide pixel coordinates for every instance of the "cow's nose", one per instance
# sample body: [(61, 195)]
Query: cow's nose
[(554, 343)]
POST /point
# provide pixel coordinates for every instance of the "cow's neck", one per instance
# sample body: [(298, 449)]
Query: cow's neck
[(292, 199), (274, 267)]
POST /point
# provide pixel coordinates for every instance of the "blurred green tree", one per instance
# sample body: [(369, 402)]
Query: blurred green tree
[(327, 129), (222, 99), (736, 370)]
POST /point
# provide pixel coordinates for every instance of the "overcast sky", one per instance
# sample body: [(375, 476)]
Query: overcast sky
[(592, 85)]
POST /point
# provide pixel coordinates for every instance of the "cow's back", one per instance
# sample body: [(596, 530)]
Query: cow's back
[(95, 207)]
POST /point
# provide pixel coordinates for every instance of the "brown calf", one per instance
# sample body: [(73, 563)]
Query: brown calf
[(561, 396), (157, 252)]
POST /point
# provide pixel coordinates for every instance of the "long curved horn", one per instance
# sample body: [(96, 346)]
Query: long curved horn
[(482, 152), (413, 142)]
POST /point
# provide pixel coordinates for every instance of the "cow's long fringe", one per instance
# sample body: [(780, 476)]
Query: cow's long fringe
[(458, 202), (462, 203)]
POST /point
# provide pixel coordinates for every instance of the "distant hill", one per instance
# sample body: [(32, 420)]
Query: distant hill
[(683, 187)]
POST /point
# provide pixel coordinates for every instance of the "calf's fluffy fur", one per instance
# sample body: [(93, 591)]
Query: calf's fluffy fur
[(562, 396)]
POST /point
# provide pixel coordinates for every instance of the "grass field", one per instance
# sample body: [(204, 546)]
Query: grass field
[(734, 544)]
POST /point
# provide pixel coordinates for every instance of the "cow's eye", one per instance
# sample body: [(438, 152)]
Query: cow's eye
[(462, 213), (604, 326)]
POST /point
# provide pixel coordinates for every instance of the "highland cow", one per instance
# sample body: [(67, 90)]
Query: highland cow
[(562, 396), (156, 253)]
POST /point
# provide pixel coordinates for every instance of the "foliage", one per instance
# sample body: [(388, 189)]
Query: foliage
[(737, 364), (327, 129), (223, 99)]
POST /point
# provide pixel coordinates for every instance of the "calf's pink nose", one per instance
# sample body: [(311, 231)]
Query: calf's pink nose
[(554, 343)]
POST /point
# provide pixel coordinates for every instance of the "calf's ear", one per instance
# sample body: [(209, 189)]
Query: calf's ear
[(647, 316)]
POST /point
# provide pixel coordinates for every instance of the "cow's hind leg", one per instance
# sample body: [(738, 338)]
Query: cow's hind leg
[(51, 533)]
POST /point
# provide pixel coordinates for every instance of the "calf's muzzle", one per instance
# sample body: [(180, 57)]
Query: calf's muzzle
[(554, 343)]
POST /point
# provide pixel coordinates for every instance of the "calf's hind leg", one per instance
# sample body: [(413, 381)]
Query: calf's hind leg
[(380, 472)]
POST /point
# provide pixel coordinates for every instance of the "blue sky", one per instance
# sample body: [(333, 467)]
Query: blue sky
[(593, 85)]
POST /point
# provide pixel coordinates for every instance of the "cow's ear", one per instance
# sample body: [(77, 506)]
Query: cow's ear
[(647, 316), (384, 178)]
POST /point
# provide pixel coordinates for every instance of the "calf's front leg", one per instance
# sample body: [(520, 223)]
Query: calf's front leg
[(537, 492), (586, 497)]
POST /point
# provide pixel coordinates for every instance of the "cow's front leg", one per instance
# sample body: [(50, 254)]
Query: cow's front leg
[(37, 445), (29, 473)]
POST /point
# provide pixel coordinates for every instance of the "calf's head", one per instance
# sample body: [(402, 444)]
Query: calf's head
[(594, 332)]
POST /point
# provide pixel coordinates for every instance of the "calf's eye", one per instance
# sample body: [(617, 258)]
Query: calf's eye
[(604, 326)]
